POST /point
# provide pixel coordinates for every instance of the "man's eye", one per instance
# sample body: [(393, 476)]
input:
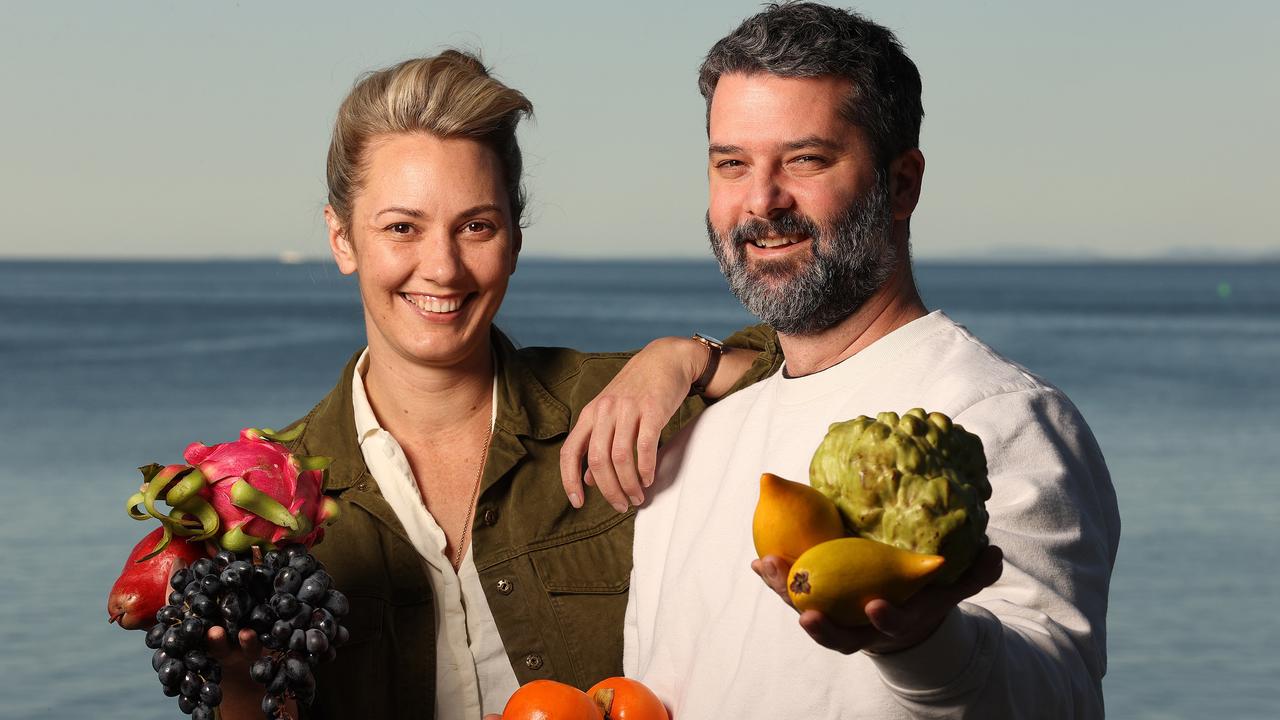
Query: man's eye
[(729, 164), (809, 160)]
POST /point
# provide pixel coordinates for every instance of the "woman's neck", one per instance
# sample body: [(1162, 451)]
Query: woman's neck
[(416, 401)]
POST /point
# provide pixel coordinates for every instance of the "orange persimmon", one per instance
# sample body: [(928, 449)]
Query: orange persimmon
[(621, 698), (550, 700)]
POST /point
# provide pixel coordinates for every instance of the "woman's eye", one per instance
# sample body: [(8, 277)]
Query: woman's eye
[(400, 228), (475, 226)]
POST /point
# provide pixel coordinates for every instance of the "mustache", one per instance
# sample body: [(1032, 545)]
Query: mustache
[(790, 223)]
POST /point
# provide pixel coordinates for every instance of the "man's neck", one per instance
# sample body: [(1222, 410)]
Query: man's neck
[(895, 304)]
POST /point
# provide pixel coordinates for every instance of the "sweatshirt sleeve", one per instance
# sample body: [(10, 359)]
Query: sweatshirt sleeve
[(1033, 645)]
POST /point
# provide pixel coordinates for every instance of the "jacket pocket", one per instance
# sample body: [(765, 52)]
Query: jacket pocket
[(586, 582)]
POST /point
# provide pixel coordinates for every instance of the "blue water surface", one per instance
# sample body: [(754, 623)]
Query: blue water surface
[(106, 366)]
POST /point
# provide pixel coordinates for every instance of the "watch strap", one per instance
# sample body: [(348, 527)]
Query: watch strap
[(715, 349)]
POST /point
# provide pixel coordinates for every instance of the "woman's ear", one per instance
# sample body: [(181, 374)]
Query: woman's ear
[(517, 239), (344, 253)]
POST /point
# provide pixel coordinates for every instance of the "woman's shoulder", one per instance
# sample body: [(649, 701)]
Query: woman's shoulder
[(564, 371)]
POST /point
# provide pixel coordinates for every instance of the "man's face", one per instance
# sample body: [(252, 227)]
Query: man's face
[(799, 218)]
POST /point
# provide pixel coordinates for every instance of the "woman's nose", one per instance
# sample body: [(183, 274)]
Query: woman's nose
[(440, 260)]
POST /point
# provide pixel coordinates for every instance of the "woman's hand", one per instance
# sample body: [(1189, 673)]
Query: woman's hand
[(892, 628), (241, 696), (618, 431)]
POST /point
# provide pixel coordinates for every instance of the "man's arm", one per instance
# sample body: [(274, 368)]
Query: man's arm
[(1033, 642), (619, 430)]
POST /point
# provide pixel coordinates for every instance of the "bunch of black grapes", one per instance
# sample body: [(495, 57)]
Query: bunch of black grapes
[(287, 599)]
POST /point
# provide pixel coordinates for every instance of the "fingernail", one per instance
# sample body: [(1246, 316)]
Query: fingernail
[(648, 481), (620, 507), (769, 571), (575, 500), (637, 500)]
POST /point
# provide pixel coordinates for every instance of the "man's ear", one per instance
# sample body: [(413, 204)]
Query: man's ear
[(906, 175), (344, 253)]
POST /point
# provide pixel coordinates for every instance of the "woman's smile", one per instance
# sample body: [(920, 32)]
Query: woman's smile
[(437, 308)]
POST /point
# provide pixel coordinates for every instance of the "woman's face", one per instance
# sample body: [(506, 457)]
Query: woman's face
[(432, 238)]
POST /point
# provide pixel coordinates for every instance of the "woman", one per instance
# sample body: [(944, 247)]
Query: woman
[(468, 571)]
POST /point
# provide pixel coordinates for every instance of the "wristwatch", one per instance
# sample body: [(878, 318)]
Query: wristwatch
[(715, 349)]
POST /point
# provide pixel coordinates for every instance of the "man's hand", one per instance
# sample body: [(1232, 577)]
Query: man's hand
[(892, 628)]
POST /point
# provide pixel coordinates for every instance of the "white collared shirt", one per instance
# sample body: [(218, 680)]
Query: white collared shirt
[(473, 675)]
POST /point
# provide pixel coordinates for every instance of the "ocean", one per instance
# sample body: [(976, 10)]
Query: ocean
[(105, 366)]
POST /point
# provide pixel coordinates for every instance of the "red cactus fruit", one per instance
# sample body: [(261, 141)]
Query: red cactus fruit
[(252, 491)]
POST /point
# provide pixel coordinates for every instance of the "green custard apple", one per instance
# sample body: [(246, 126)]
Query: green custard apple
[(915, 481)]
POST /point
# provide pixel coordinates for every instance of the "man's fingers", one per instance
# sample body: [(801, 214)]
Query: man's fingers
[(571, 453), (599, 450), (773, 570), (886, 618), (836, 637), (647, 448), (622, 454)]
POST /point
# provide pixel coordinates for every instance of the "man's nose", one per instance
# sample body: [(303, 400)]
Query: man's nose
[(768, 197)]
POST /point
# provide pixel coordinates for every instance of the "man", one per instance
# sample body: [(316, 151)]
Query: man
[(813, 123)]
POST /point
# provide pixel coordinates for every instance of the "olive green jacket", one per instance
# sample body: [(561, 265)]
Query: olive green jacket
[(555, 578)]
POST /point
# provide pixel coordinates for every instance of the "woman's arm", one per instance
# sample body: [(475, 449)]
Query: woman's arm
[(618, 431)]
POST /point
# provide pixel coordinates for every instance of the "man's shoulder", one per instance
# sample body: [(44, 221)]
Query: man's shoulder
[(955, 363)]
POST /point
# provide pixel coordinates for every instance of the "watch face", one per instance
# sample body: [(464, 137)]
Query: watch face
[(708, 340)]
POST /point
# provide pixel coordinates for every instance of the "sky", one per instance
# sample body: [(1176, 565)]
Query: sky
[(198, 129)]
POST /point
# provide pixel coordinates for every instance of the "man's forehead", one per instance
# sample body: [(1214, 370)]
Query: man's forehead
[(765, 109)]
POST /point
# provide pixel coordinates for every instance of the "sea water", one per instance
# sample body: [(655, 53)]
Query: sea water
[(107, 366)]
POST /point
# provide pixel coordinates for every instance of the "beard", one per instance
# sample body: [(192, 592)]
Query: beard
[(852, 255)]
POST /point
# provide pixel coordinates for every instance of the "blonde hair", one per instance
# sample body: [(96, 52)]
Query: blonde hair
[(450, 95)]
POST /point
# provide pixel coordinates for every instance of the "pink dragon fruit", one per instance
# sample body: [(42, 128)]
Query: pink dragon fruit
[(239, 494)]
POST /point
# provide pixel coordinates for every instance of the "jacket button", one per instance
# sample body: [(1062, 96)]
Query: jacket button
[(362, 486), (533, 661), (490, 517), (504, 586)]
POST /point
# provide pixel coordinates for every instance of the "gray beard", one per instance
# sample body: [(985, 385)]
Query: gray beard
[(852, 257)]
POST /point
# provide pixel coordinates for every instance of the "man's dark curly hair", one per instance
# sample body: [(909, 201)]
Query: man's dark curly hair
[(804, 39)]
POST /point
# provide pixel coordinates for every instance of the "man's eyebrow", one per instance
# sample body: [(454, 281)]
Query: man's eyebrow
[(723, 150), (813, 141)]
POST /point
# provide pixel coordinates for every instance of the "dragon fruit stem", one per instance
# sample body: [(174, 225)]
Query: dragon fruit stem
[(281, 436), (312, 462), (237, 540), (247, 497)]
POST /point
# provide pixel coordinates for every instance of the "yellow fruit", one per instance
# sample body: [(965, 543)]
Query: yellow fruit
[(792, 517), (839, 577)]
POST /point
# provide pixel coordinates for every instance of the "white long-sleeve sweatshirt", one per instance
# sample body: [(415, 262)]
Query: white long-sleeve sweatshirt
[(714, 642)]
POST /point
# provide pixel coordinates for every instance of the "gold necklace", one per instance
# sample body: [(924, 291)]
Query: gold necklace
[(471, 508)]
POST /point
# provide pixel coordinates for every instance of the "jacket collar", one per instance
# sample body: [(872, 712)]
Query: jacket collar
[(525, 409)]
